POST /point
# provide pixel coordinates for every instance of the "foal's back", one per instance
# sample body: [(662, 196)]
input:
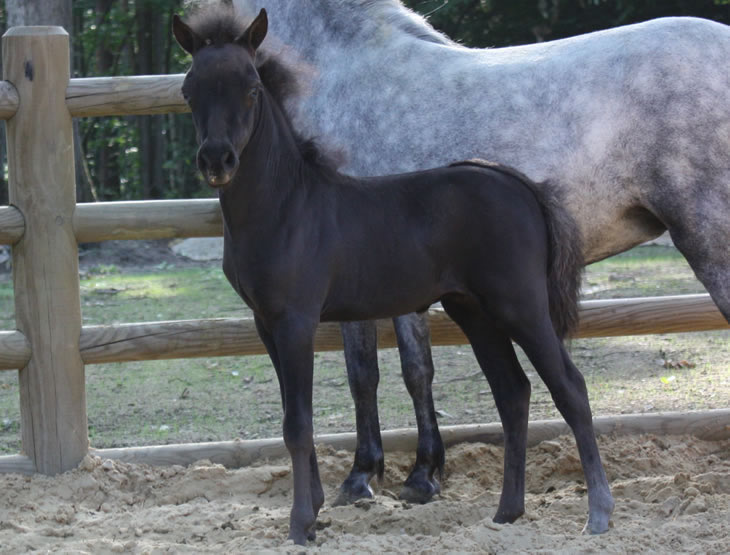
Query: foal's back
[(402, 242)]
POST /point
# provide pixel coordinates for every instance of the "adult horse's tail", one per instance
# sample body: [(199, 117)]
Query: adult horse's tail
[(565, 262)]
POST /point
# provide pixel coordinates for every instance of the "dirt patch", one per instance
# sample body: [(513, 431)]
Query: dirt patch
[(132, 255), (672, 494)]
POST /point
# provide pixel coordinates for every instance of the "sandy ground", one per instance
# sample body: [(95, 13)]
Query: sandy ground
[(672, 494)]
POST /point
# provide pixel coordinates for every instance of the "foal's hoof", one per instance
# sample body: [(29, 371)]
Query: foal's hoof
[(421, 491), (508, 516), (351, 491)]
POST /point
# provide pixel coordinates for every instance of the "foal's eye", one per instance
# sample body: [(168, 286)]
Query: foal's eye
[(253, 94)]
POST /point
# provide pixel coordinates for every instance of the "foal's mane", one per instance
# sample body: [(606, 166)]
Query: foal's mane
[(217, 24)]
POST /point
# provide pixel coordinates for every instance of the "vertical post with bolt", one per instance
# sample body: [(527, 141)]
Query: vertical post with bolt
[(45, 261)]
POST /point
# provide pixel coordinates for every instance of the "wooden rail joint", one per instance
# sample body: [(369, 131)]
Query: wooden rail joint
[(9, 100), (12, 225)]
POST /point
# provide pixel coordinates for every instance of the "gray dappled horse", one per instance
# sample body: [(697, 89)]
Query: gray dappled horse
[(304, 243), (630, 125)]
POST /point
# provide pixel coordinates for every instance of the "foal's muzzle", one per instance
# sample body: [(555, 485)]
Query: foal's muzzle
[(218, 162)]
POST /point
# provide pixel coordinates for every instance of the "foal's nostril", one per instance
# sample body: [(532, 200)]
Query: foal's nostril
[(217, 162), (229, 160), (203, 163)]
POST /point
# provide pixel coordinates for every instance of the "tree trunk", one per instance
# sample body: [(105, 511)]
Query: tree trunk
[(150, 60), (107, 157)]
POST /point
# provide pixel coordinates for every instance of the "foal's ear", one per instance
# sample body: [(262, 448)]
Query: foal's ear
[(185, 36), (252, 37)]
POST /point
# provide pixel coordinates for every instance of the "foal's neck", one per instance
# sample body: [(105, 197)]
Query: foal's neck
[(271, 170)]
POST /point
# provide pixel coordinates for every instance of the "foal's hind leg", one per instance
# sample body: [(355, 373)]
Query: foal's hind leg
[(361, 357), (511, 392), (414, 346), (568, 390)]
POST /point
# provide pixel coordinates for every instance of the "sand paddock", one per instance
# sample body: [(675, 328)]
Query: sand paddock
[(672, 494)]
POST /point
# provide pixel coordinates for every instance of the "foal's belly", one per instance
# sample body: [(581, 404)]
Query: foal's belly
[(385, 299)]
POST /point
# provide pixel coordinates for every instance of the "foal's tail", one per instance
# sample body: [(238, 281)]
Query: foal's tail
[(565, 260), (565, 263)]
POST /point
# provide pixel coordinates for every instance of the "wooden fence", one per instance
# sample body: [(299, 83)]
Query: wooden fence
[(44, 226)]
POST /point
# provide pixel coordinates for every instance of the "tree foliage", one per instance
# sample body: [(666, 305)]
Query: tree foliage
[(486, 23), (134, 157)]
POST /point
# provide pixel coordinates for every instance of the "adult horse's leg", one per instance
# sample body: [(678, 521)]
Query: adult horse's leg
[(360, 339), (511, 391), (706, 246), (568, 390), (361, 358), (293, 341), (414, 346)]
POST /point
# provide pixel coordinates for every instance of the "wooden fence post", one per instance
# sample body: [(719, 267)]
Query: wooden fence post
[(45, 260)]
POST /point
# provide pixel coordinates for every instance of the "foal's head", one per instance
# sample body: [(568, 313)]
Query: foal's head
[(223, 90)]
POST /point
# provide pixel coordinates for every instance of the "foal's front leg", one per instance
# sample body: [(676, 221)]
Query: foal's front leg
[(293, 340)]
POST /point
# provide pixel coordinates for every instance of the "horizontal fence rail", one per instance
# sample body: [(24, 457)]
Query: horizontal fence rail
[(111, 96), (237, 336), (9, 100), (125, 96), (12, 225), (710, 425), (15, 350), (148, 219), (159, 219)]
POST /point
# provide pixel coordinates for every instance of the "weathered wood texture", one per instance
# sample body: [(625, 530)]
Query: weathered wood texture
[(158, 219), (45, 260), (12, 225), (125, 96), (649, 315), (8, 100), (611, 317), (713, 425), (14, 350), (237, 336), (184, 339), (17, 464)]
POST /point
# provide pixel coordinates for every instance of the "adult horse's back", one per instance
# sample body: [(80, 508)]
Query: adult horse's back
[(631, 124)]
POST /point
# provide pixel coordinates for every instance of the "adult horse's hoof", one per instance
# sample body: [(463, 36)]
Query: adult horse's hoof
[(420, 491), (599, 514), (594, 529), (598, 525), (353, 489), (299, 538)]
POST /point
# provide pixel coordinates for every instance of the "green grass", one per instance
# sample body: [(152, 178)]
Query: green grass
[(187, 400), (641, 272)]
